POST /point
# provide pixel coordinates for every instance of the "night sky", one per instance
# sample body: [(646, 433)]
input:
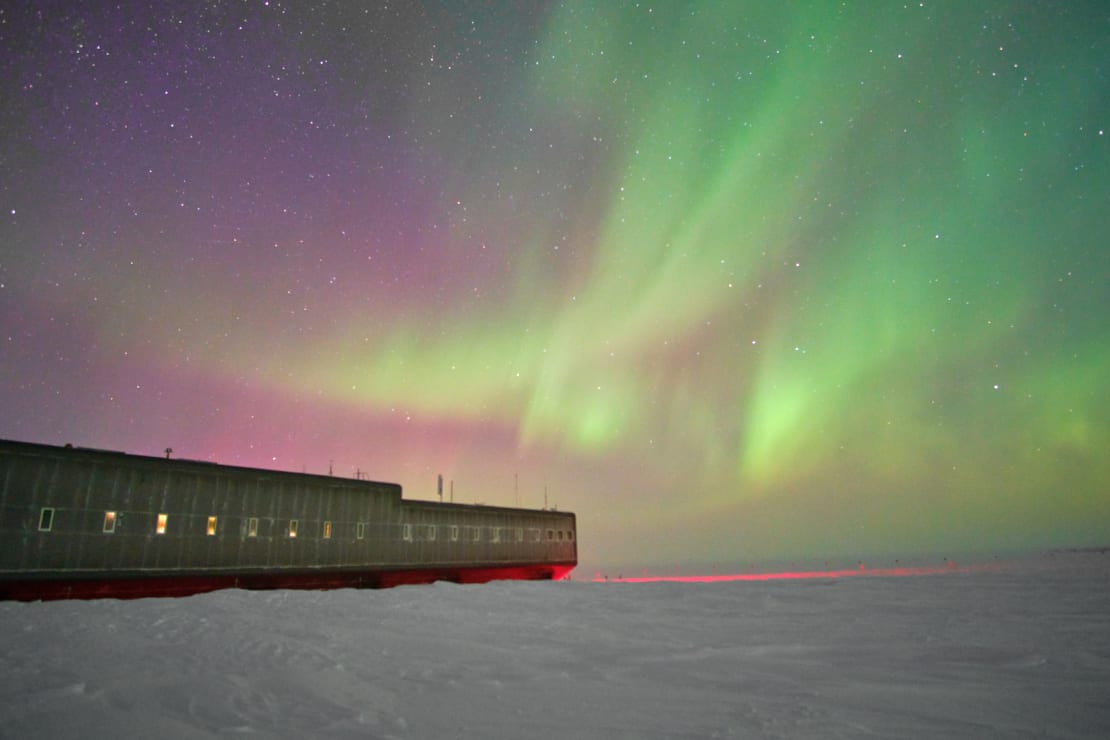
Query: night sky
[(734, 281)]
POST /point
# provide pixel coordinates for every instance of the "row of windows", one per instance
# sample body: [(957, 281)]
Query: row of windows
[(46, 524), (472, 534), (429, 531), (497, 534)]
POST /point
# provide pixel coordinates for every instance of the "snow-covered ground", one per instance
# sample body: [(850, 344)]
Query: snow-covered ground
[(1021, 651)]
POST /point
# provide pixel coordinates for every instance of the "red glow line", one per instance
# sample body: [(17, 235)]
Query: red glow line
[(790, 575)]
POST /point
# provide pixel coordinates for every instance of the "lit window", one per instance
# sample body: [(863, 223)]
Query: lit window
[(407, 533), (46, 520), (293, 528), (360, 530), (252, 527), (327, 530), (211, 526), (454, 533), (160, 527), (109, 521)]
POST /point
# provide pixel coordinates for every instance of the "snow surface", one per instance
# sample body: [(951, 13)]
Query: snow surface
[(1018, 651)]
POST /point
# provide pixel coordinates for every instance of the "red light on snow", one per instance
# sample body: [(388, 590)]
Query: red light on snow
[(862, 571)]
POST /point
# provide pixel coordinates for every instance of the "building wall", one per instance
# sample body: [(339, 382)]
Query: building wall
[(483, 534), (254, 510)]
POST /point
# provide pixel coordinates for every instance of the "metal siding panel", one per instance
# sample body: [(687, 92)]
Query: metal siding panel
[(18, 520), (13, 517), (323, 552), (65, 487)]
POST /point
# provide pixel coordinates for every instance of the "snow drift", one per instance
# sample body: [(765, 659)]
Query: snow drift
[(1018, 651)]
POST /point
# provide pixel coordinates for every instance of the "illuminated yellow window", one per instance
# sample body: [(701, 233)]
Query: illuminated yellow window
[(109, 521), (327, 530), (160, 528), (293, 527), (252, 527), (211, 526)]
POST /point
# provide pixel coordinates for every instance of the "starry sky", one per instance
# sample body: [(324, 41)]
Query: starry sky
[(735, 281)]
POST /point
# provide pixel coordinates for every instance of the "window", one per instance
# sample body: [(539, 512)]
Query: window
[(430, 532), (407, 533), (293, 528), (560, 535), (211, 526), (550, 535), (475, 534), (109, 521), (327, 530), (519, 534), (160, 527), (534, 534), (252, 527), (454, 533), (570, 536), (46, 520), (360, 530), (495, 534)]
